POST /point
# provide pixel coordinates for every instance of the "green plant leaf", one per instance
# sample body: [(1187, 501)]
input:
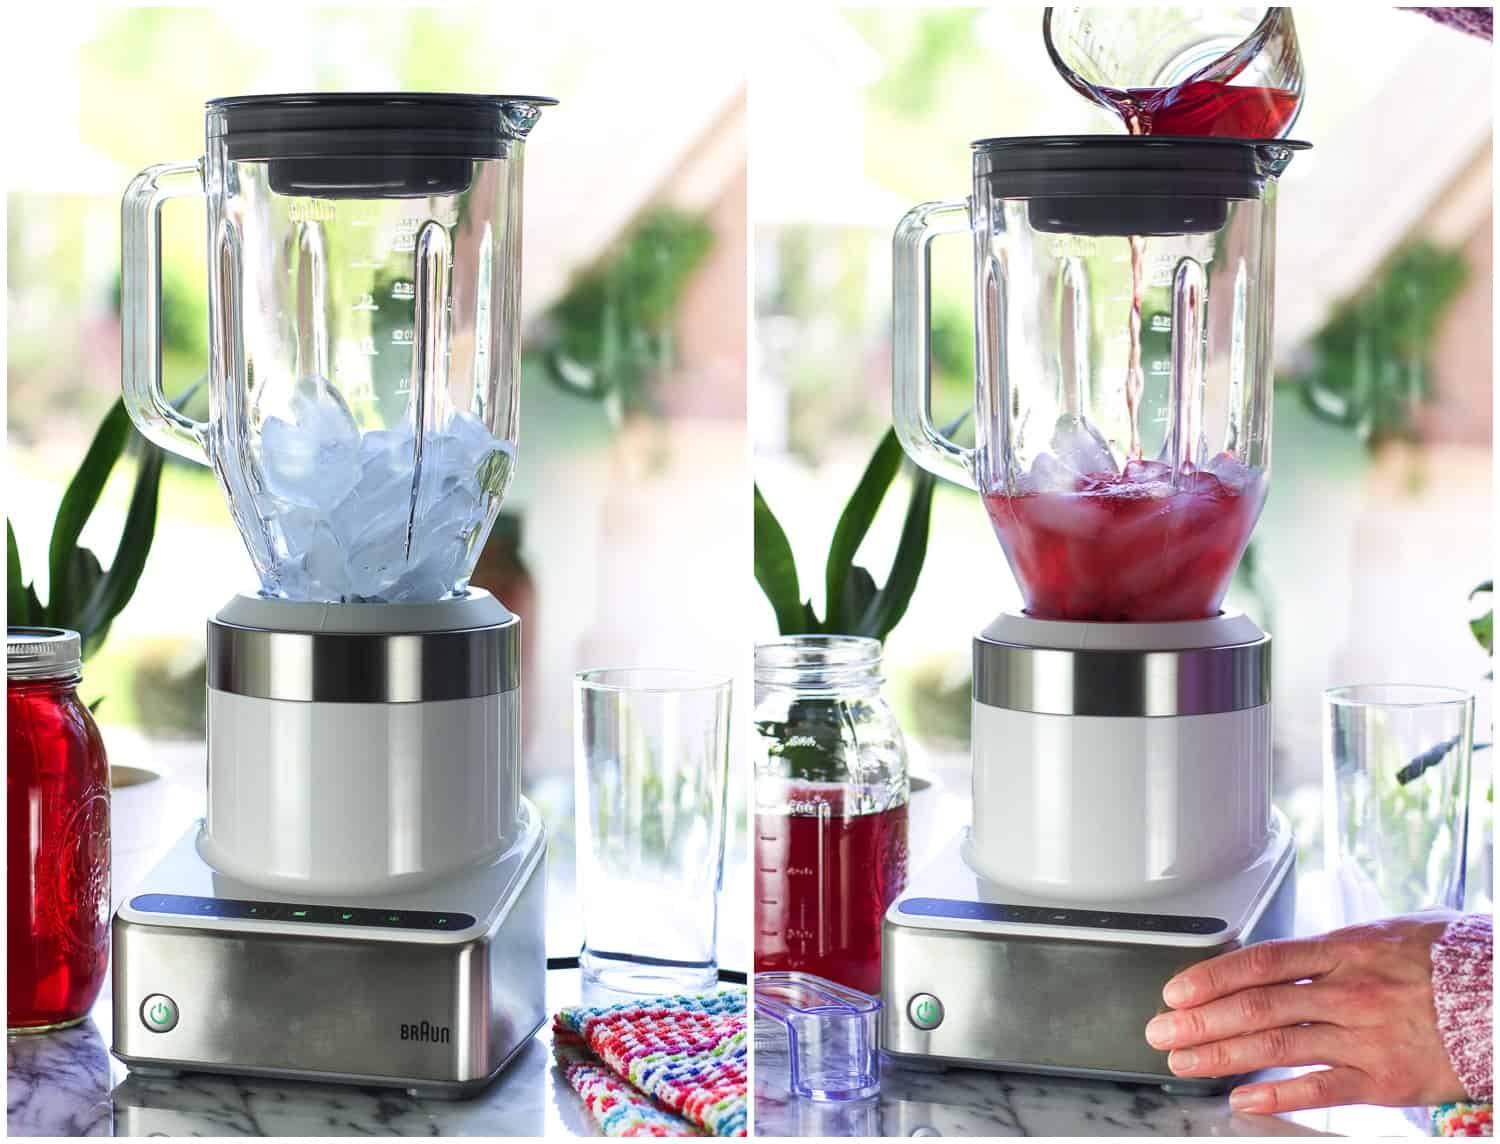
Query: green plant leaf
[(859, 591), (22, 608), (776, 570), (890, 604), (114, 590), (810, 625), (78, 503), (854, 524), (81, 573)]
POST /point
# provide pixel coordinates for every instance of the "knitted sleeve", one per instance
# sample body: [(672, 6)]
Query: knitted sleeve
[(1461, 991)]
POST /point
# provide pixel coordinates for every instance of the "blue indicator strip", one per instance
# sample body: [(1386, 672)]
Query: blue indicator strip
[(184, 905), (957, 910)]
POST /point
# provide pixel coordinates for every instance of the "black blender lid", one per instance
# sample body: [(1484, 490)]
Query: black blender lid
[(1130, 184), (371, 144)]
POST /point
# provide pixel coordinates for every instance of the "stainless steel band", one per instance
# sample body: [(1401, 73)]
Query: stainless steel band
[(364, 667), (1056, 681)]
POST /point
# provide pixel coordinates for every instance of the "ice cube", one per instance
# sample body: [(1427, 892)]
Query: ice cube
[(1232, 472), (1081, 447), (463, 446), (376, 562), (1049, 475), (433, 577), (1072, 515), (372, 508), (311, 456), (295, 525), (450, 518), (324, 566)]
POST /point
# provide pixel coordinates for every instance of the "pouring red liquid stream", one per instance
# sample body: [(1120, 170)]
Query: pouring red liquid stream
[(822, 885)]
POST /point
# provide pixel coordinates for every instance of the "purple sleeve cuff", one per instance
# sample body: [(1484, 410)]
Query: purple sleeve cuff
[(1462, 993)]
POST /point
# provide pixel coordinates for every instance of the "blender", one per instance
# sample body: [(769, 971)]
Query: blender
[(1121, 745), (363, 901)]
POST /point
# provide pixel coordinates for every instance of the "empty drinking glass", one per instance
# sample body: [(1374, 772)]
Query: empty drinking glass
[(1396, 797), (651, 768)]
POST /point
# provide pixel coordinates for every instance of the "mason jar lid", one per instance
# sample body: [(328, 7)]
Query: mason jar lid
[(43, 653)]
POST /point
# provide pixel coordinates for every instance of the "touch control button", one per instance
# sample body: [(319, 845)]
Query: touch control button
[(925, 1011), (159, 1013)]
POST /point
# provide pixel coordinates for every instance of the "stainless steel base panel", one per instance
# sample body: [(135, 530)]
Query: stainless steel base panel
[(1044, 1005), (436, 1018)]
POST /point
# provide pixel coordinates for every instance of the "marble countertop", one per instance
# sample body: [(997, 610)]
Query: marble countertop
[(67, 1084), (971, 1102)]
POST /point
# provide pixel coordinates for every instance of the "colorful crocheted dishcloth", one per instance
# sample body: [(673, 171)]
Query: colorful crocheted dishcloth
[(687, 1054), (1463, 1119)]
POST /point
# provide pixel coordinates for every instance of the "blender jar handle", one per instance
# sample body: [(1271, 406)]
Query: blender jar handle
[(140, 309), (911, 391)]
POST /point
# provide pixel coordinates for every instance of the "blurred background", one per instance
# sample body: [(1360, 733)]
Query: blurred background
[(1378, 524), (635, 216)]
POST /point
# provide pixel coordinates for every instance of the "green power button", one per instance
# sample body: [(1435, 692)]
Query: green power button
[(925, 1011), (159, 1013)]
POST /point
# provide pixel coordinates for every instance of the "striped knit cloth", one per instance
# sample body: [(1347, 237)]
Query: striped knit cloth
[(1463, 1119), (670, 1066)]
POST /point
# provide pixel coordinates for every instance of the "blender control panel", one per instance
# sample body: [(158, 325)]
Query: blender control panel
[(1059, 916), (185, 905)]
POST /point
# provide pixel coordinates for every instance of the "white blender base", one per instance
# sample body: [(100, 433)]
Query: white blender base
[(431, 989), (980, 975)]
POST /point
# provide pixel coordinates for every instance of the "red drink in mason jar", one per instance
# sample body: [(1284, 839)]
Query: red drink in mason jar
[(57, 842)]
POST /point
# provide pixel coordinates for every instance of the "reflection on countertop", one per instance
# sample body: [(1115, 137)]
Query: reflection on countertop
[(972, 1102), (67, 1084)]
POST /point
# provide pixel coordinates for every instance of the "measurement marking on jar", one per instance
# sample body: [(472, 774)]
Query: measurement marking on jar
[(401, 337), (403, 290), (366, 302), (367, 346)]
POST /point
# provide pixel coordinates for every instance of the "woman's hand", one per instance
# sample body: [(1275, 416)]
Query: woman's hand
[(1358, 1000)]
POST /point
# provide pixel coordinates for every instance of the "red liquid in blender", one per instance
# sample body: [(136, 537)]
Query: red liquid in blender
[(1132, 547), (1206, 107), (823, 882), (57, 854)]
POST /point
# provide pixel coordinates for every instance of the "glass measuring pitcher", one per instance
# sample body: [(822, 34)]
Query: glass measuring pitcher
[(1122, 302), (364, 346), (1183, 71)]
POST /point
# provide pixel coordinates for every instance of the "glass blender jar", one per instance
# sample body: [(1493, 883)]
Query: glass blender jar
[(1124, 372), (364, 296)]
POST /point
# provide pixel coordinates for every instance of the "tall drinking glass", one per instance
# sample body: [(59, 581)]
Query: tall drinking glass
[(651, 768), (1396, 797)]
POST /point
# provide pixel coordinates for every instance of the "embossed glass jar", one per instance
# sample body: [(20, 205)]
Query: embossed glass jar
[(57, 840), (831, 789)]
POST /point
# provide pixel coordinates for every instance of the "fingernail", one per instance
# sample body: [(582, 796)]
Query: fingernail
[(1175, 993), (1183, 1060), (1161, 1031), (1247, 1100)]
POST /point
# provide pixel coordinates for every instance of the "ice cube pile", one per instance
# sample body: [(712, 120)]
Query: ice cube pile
[(338, 502)]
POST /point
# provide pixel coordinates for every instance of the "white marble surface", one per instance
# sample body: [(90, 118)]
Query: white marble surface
[(67, 1084), (971, 1102)]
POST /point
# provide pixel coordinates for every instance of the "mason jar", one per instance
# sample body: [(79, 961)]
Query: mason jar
[(57, 835), (831, 792)]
